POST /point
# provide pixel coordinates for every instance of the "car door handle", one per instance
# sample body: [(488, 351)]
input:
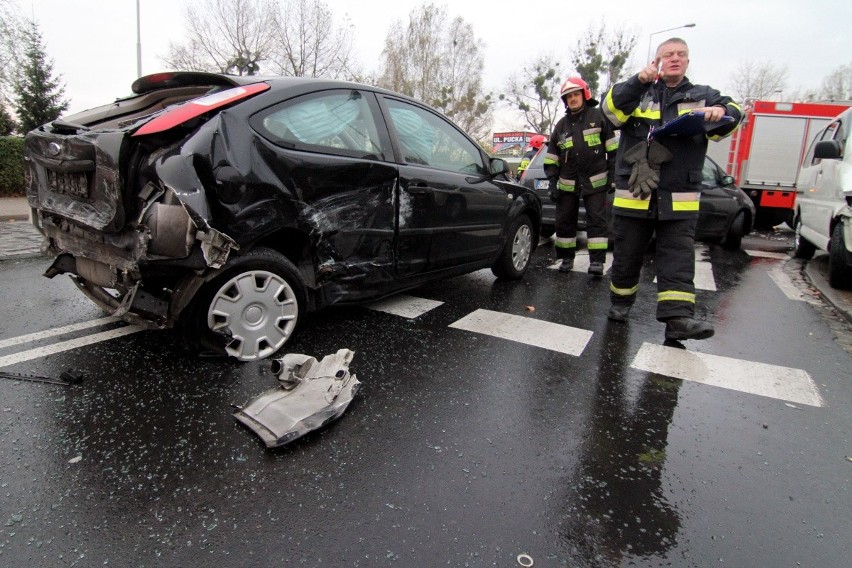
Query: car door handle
[(418, 189)]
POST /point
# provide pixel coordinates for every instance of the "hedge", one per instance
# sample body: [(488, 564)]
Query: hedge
[(11, 166)]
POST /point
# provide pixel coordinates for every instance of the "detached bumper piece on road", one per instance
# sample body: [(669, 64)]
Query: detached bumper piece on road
[(311, 395)]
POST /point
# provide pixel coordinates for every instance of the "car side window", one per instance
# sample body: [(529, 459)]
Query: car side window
[(427, 139), (709, 174), (334, 122)]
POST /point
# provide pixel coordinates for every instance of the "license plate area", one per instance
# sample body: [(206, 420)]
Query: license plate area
[(541, 183), (72, 184)]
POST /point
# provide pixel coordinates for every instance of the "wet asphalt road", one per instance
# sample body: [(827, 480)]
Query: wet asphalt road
[(460, 449)]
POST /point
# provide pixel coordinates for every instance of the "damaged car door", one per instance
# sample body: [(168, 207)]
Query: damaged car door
[(451, 210), (328, 148)]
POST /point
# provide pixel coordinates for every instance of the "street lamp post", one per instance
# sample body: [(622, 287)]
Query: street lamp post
[(138, 43), (661, 31)]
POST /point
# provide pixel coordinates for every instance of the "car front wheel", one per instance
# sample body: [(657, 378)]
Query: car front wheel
[(734, 237), (839, 261), (515, 256), (804, 249), (250, 310)]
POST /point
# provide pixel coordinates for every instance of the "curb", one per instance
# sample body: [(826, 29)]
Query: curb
[(816, 271)]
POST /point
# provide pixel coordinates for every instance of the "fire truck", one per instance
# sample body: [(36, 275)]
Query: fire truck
[(765, 154)]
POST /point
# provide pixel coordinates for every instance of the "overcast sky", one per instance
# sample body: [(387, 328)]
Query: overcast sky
[(93, 42)]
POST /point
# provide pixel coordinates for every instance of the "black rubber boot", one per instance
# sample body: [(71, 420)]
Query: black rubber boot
[(596, 268), (619, 312), (566, 265), (688, 328)]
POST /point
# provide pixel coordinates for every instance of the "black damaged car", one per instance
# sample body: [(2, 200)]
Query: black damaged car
[(231, 206)]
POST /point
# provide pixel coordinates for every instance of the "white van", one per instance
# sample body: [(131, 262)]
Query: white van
[(823, 217)]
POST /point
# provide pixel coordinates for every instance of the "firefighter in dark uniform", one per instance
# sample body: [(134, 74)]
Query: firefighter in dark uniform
[(536, 142), (580, 160), (658, 185)]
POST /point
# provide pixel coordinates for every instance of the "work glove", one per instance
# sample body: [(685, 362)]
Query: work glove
[(552, 191), (646, 160)]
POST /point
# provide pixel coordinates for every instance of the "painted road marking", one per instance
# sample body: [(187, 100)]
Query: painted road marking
[(768, 254), (54, 332), (783, 383), (786, 285), (68, 345), (405, 306), (703, 278), (529, 331)]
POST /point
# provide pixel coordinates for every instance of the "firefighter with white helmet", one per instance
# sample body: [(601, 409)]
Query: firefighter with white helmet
[(580, 161)]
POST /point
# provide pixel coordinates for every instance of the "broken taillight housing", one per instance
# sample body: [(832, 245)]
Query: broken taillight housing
[(179, 114)]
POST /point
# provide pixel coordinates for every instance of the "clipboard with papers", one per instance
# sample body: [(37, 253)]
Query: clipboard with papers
[(690, 124)]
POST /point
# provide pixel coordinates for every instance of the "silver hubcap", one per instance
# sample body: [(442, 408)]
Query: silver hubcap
[(258, 309), (521, 247)]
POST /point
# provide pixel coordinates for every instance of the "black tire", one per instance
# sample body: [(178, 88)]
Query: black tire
[(515, 256), (804, 249), (734, 237), (839, 268), (248, 311), (547, 231)]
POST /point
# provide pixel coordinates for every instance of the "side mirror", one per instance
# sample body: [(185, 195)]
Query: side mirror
[(727, 180), (498, 166), (827, 150)]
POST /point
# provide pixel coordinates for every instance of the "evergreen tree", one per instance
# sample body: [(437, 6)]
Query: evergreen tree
[(7, 123), (39, 95)]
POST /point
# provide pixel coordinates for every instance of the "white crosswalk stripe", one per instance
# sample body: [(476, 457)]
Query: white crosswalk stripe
[(404, 306), (530, 331), (768, 254), (772, 381), (786, 285)]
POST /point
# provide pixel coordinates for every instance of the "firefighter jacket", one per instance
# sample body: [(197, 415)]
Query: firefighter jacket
[(581, 152), (635, 107), (525, 161)]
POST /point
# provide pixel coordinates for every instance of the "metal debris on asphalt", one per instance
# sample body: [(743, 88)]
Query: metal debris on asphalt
[(311, 394), (67, 378)]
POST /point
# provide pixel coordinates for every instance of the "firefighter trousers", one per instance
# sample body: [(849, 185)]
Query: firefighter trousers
[(674, 260), (567, 211)]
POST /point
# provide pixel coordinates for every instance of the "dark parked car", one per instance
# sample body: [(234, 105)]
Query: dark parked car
[(726, 213), (230, 206)]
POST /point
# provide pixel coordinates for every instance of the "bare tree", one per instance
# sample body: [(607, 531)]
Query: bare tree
[(310, 44), (228, 36), (11, 40), (757, 80), (535, 94), (600, 56), (440, 65), (838, 85)]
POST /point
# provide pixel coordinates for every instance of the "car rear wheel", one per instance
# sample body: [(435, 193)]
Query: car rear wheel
[(734, 237), (804, 249), (515, 256), (839, 265), (250, 310)]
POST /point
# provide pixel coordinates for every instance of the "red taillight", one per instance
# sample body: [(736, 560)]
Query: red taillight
[(196, 107)]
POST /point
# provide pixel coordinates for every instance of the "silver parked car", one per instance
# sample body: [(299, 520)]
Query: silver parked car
[(823, 217)]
